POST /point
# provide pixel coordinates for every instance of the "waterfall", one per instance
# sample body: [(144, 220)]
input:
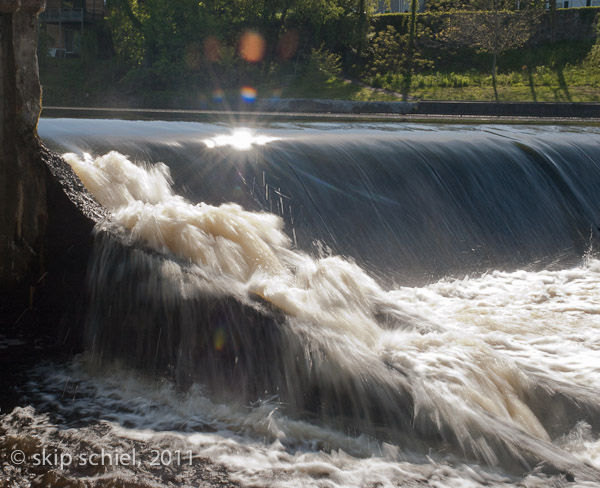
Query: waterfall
[(412, 286)]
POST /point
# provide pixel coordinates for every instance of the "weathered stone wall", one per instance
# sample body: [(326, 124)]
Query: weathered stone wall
[(23, 211), (46, 215)]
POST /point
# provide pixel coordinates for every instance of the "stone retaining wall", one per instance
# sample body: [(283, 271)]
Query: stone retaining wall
[(572, 24)]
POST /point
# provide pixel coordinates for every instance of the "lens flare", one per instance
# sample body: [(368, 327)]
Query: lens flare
[(252, 47), (240, 139), (248, 94), (288, 44), (276, 93), (212, 49), (218, 95), (219, 339)]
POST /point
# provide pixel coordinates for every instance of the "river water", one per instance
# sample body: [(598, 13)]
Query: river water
[(328, 304)]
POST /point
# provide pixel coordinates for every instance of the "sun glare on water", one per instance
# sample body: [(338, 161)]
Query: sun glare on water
[(240, 139)]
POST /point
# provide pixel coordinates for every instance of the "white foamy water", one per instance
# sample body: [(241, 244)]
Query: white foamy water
[(498, 375)]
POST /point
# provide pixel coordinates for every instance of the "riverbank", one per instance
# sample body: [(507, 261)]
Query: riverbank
[(564, 72)]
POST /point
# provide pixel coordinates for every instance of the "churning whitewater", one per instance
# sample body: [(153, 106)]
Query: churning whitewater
[(217, 331)]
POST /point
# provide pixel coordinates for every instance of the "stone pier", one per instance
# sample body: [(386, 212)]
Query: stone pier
[(23, 209), (46, 215)]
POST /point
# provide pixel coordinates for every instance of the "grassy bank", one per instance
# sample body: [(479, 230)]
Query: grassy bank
[(541, 84), (547, 73), (562, 72)]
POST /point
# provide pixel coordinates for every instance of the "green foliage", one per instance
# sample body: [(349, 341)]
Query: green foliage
[(323, 64), (593, 58), (181, 47), (480, 5), (388, 49), (447, 5), (66, 82), (44, 43), (389, 54), (128, 39), (492, 27), (159, 38), (550, 72), (89, 47)]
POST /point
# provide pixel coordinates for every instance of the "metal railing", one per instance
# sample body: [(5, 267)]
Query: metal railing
[(54, 15)]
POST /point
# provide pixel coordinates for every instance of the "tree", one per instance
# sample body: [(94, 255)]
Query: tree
[(412, 33), (552, 8), (156, 35), (493, 27), (161, 42), (387, 51), (594, 55), (391, 52)]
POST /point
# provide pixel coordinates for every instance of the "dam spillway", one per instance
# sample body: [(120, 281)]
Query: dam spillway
[(396, 297)]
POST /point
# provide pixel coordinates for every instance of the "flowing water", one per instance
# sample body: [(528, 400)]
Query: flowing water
[(329, 305)]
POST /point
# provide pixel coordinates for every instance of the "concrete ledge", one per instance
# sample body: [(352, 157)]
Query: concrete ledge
[(511, 109), (340, 109), (314, 105)]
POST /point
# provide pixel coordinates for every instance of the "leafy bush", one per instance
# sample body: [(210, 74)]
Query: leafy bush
[(324, 63), (594, 56), (388, 51)]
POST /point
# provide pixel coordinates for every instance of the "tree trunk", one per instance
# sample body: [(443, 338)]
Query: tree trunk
[(494, 78), (362, 26), (552, 7), (411, 50)]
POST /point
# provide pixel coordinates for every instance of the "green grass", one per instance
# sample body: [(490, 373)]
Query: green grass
[(571, 83), (334, 88), (562, 72), (550, 74)]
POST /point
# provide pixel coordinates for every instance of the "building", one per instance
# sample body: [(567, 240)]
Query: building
[(66, 20)]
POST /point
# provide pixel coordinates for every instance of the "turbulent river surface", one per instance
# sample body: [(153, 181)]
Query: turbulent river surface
[(327, 304)]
